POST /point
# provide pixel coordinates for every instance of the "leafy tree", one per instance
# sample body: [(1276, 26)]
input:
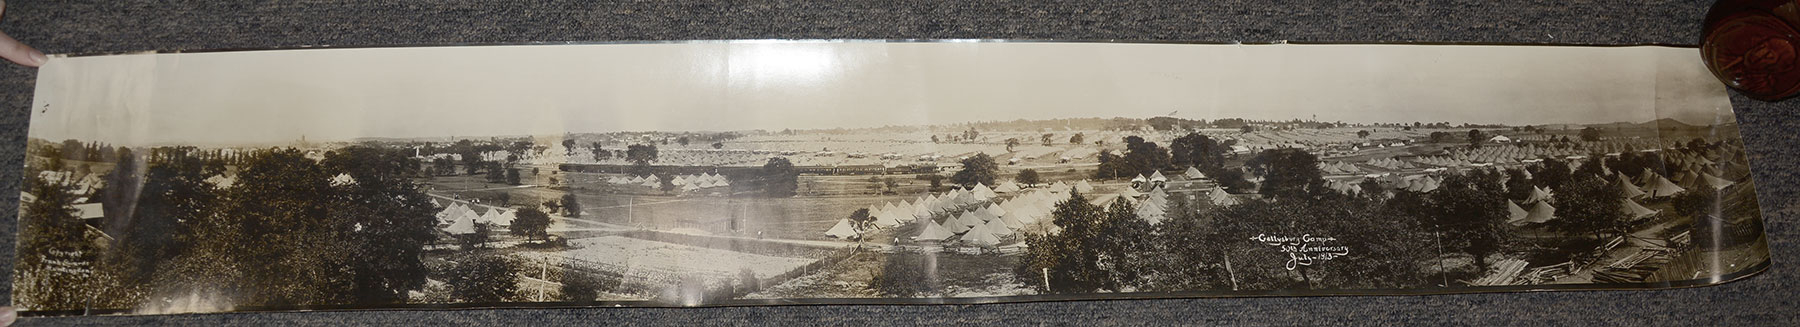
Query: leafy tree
[(1076, 139), (568, 147), (1470, 215), (484, 279), (385, 217), (571, 205), (1071, 257), (1185, 261), (1475, 138), (1198, 151), (1589, 205), (1029, 177), (600, 152), (1362, 134), (495, 174), (553, 206), (443, 166), (472, 162), (1047, 139), (1590, 134), (978, 169), (1010, 143), (530, 223), (280, 229), (1288, 173), (1144, 157), (682, 140), (512, 176), (641, 153), (1518, 187), (861, 219), (1123, 242), (1552, 173), (779, 178), (718, 145), (55, 253), (1111, 166)]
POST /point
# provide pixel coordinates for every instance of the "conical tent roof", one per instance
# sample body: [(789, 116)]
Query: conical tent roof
[(464, 224), (970, 218), (1140, 178), (1007, 187), (1012, 221), (1714, 181), (842, 230), (1661, 187), (1633, 210), (1150, 213), (984, 216), (1130, 193), (1541, 213), (982, 192), (997, 227), (995, 209), (933, 231), (1194, 173), (955, 225), (889, 218), (1220, 198), (1539, 194), (1515, 214), (980, 237), (1629, 190), (1084, 187)]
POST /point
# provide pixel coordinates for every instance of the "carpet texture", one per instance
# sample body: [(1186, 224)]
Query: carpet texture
[(1767, 299)]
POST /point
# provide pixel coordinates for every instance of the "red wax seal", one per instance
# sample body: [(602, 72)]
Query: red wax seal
[(1752, 47)]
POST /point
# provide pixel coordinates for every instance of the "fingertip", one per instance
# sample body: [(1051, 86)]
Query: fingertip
[(38, 59), (8, 315)]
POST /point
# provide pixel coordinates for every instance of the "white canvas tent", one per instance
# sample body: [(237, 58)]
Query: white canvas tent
[(932, 231), (842, 230), (1661, 187), (1633, 210)]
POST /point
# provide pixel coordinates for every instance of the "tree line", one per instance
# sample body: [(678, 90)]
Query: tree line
[(282, 234)]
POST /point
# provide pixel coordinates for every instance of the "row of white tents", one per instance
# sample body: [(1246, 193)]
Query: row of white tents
[(459, 218), (683, 182)]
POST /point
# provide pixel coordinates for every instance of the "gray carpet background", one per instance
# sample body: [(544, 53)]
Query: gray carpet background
[(1768, 128)]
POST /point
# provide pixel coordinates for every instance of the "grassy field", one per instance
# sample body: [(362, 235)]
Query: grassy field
[(802, 217)]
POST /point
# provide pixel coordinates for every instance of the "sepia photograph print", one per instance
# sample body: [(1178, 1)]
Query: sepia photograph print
[(868, 172)]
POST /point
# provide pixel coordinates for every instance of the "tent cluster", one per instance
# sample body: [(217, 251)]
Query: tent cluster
[(1154, 207), (459, 218), (1193, 173), (977, 216), (1540, 212), (1339, 168), (1389, 164), (682, 182), (1310, 138), (1345, 186)]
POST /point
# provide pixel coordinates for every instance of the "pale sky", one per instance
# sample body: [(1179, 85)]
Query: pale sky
[(252, 97)]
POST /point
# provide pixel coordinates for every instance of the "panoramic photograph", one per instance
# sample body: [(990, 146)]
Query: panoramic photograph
[(765, 172)]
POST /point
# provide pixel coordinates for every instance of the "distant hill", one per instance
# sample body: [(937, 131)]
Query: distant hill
[(1667, 123)]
